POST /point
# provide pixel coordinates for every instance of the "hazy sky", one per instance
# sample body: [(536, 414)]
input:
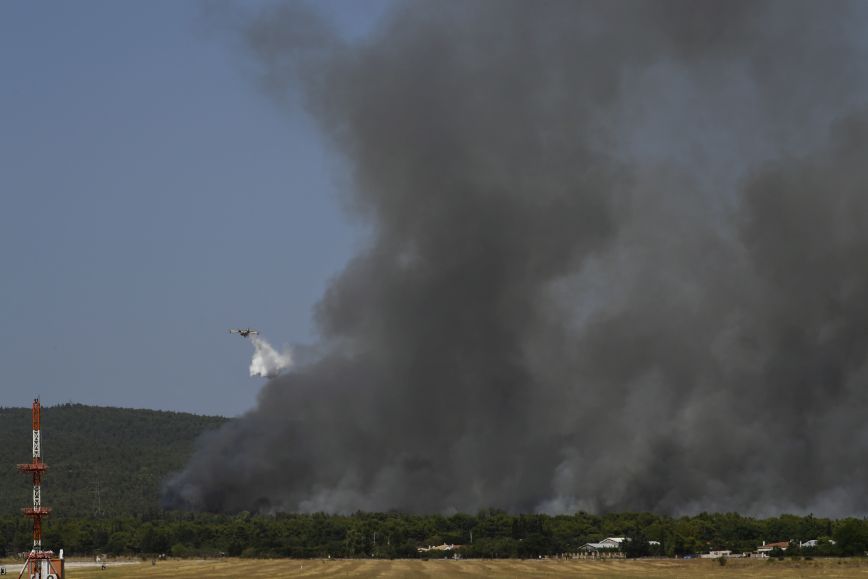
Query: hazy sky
[(152, 197)]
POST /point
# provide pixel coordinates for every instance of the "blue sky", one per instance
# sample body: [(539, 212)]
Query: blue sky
[(150, 198)]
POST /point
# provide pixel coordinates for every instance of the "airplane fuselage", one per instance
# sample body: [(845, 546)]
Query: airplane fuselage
[(245, 333)]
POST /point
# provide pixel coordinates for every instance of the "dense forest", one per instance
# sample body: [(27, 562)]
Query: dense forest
[(100, 460), (486, 534)]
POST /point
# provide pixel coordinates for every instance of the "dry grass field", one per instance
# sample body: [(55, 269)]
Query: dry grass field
[(244, 568)]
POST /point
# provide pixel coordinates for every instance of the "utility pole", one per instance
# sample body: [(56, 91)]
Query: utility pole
[(98, 498)]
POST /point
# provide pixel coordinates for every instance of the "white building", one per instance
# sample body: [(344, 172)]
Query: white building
[(443, 547), (815, 543), (716, 554), (606, 544)]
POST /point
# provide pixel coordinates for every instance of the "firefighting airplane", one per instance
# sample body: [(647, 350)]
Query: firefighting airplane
[(243, 332)]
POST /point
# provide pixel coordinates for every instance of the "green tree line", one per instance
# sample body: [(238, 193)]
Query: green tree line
[(490, 533)]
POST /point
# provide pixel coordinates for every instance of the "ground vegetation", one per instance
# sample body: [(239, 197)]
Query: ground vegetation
[(487, 534)]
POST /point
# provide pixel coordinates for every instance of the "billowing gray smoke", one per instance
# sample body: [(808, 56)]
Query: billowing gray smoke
[(620, 261)]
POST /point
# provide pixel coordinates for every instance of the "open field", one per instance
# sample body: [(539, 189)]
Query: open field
[(667, 568)]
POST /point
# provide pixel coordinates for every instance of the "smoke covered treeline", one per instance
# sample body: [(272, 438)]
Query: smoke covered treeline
[(619, 262)]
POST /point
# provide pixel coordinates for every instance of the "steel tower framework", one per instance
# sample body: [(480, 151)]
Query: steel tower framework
[(39, 561)]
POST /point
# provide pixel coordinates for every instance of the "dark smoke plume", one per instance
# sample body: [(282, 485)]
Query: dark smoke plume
[(619, 261)]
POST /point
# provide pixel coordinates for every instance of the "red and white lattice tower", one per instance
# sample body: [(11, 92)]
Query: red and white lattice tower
[(39, 563)]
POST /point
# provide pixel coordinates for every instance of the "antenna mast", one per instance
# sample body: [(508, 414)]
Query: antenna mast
[(39, 563)]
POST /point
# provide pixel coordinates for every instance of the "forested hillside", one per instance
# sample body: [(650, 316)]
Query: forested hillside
[(111, 460), (127, 453)]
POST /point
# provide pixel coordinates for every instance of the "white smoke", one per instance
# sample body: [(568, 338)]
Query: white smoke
[(267, 361)]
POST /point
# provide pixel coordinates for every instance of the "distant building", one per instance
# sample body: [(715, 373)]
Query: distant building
[(592, 547), (609, 547), (717, 554), (815, 543), (606, 544), (443, 547), (766, 548), (611, 543)]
